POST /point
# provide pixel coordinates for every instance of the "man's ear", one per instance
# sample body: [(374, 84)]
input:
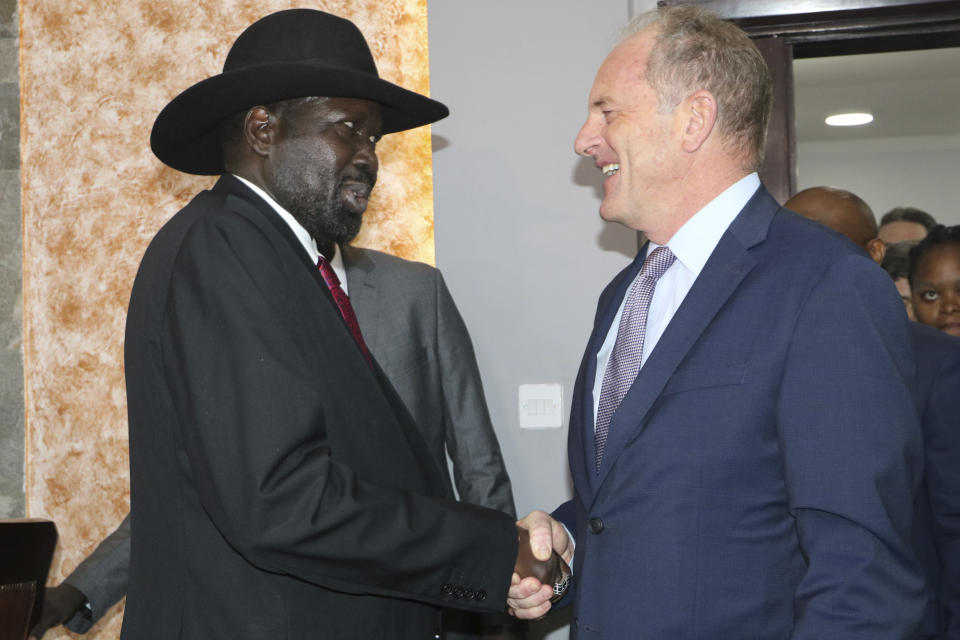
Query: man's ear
[(259, 129), (877, 249), (699, 112)]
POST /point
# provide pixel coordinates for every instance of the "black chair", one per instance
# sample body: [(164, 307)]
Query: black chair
[(26, 549)]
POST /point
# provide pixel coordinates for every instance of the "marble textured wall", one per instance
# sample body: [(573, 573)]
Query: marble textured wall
[(94, 73), (11, 318)]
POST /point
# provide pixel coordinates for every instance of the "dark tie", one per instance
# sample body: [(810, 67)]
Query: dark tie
[(624, 362), (343, 303)]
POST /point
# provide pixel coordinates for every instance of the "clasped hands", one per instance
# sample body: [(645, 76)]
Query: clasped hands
[(543, 560)]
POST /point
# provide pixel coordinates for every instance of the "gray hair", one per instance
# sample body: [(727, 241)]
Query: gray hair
[(909, 214), (695, 50)]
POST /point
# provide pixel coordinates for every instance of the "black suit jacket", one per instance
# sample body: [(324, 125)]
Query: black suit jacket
[(278, 485)]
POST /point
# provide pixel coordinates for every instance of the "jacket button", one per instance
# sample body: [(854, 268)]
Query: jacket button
[(480, 595), (596, 525), (458, 593), (468, 594), (446, 589)]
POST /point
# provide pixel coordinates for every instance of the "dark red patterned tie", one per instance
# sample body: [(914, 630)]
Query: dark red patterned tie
[(343, 303)]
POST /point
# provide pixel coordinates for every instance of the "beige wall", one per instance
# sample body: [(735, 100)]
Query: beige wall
[(93, 75)]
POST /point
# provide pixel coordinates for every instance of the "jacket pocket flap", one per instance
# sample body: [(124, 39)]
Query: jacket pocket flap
[(691, 378)]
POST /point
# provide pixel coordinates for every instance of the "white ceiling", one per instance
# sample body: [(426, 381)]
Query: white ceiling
[(910, 93)]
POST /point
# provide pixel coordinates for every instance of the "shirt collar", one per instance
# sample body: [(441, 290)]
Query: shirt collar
[(693, 243), (309, 244)]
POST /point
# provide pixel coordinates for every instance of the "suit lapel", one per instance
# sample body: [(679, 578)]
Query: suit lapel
[(361, 266), (728, 265), (364, 293), (582, 466), (365, 297)]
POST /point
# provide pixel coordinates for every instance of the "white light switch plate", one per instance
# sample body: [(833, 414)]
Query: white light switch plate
[(541, 406)]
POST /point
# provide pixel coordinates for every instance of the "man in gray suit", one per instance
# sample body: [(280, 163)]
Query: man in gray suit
[(414, 330)]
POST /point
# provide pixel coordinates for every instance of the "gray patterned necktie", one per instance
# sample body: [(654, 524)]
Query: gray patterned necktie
[(624, 362)]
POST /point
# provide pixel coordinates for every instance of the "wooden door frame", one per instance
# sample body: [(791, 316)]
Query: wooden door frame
[(818, 28)]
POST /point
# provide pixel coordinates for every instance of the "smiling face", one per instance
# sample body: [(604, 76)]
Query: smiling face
[(322, 164), (628, 139), (936, 288)]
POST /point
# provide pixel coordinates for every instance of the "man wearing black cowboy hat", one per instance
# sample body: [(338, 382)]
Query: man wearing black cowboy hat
[(279, 487)]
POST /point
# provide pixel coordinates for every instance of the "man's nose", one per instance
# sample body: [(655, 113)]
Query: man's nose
[(588, 138), (367, 155)]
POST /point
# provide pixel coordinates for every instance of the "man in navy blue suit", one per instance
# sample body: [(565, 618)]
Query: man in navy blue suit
[(743, 443), (936, 529)]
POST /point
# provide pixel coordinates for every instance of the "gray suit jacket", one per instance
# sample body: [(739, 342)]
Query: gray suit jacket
[(413, 328), (102, 576), (411, 325)]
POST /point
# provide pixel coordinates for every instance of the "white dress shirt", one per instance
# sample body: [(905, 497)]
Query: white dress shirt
[(309, 244), (692, 244)]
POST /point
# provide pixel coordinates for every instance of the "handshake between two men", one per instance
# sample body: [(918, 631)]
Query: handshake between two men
[(542, 572)]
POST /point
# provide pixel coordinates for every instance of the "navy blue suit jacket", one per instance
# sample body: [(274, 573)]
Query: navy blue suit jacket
[(937, 524), (759, 475)]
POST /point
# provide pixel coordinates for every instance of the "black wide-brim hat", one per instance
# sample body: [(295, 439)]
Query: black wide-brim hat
[(295, 53)]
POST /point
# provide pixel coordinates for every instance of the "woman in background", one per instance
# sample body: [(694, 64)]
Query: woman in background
[(935, 279)]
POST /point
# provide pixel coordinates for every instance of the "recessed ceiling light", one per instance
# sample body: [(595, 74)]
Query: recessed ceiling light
[(849, 119)]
